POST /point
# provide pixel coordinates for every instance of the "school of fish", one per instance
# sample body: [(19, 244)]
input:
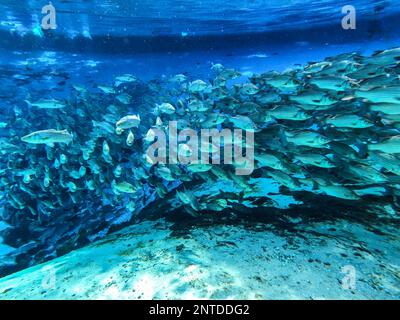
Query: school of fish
[(73, 170)]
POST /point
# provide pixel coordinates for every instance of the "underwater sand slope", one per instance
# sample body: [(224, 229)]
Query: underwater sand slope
[(150, 261)]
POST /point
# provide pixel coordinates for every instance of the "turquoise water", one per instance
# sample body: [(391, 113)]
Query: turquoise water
[(59, 196)]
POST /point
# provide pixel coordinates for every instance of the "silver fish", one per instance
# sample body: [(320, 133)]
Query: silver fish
[(49, 136)]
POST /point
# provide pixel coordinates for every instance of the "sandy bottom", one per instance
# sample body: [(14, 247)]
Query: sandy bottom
[(150, 260)]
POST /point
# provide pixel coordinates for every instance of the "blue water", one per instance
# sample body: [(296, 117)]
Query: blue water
[(151, 38), (148, 18), (97, 40)]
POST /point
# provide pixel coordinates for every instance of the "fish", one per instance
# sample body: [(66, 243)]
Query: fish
[(63, 159), (390, 145), (287, 112), (188, 197), (386, 108), (150, 136), (91, 185), (349, 121), (331, 82), (317, 160), (268, 98), (197, 86), (125, 78), (385, 94), (106, 152), (165, 173), (107, 90), (217, 67), (242, 122), (344, 150), (313, 97), (385, 57), (307, 138), (47, 104), (269, 160), (380, 80), (128, 122), (185, 151), (130, 139), (82, 171), (72, 187), (371, 191), (339, 67), (282, 81), (124, 98), (199, 167), (48, 136), (166, 108), (198, 106), (123, 187), (338, 191), (366, 173), (225, 73), (118, 171), (249, 89), (391, 119), (179, 78), (284, 179), (387, 161), (79, 88), (316, 67)]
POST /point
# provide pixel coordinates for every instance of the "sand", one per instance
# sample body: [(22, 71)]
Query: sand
[(150, 260)]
